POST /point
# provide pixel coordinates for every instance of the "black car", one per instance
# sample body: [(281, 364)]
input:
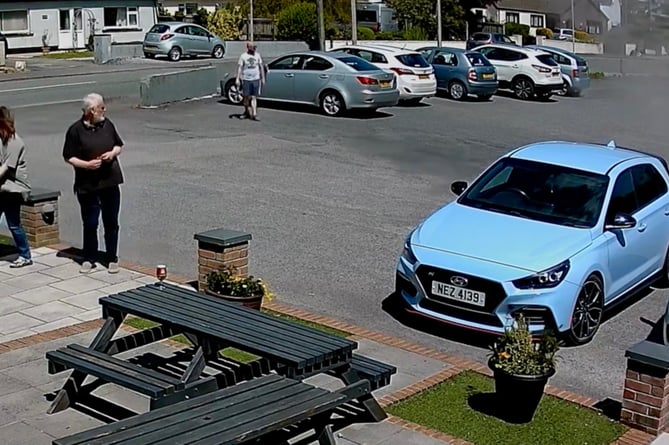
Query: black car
[(484, 38)]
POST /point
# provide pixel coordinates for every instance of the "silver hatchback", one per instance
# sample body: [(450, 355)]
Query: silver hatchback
[(178, 39)]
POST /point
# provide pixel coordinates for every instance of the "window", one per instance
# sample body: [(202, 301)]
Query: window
[(14, 21), (477, 59), (286, 63), (445, 58), (648, 183), (512, 17), (623, 198), (536, 21), (547, 59), (316, 64), (358, 64), (369, 56), (363, 15), (413, 60), (197, 31), (593, 27), (121, 17), (65, 20)]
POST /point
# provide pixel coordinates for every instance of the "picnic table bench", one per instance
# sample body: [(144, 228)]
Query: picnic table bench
[(211, 324), (255, 411)]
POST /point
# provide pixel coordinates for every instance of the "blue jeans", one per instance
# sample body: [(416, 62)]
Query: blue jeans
[(105, 202), (10, 206)]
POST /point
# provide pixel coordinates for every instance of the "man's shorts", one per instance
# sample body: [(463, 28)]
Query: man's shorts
[(251, 87)]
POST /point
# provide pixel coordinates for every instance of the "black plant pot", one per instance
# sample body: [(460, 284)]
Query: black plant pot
[(519, 394)]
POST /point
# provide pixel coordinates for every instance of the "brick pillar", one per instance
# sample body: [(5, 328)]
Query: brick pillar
[(39, 218), (646, 393), (218, 248)]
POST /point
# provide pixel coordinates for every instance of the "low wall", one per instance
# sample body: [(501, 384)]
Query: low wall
[(267, 49), (104, 50), (645, 66), (160, 89)]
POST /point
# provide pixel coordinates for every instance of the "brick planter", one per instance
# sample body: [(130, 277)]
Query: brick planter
[(219, 248), (646, 393), (39, 218)]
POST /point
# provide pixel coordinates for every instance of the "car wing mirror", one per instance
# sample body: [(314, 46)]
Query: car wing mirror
[(620, 221), (458, 187)]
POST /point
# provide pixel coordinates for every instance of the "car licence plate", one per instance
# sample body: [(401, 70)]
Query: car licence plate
[(487, 76), (423, 76), (458, 293), (385, 84)]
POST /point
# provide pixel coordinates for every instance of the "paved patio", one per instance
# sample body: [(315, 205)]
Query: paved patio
[(51, 295)]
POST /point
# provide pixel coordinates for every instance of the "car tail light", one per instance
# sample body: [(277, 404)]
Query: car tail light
[(575, 73), (541, 69), (471, 74), (367, 80), (166, 36), (403, 71)]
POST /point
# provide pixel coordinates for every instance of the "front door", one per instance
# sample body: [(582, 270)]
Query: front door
[(280, 82), (312, 79), (70, 29)]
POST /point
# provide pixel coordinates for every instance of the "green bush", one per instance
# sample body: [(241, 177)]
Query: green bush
[(416, 33), (365, 33), (517, 28), (582, 36), (226, 23), (201, 17), (298, 22), (388, 35), (545, 32), (179, 16)]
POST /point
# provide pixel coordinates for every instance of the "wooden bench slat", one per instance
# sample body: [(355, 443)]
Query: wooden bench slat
[(114, 370), (255, 321), (376, 372), (209, 327)]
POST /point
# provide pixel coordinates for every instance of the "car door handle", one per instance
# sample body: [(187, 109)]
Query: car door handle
[(666, 212), (324, 76), (514, 66), (641, 228), (290, 75)]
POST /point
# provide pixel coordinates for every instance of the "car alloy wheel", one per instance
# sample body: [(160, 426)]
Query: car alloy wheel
[(565, 89), (523, 88), (332, 104), (233, 93), (457, 91), (175, 54), (588, 310), (218, 52)]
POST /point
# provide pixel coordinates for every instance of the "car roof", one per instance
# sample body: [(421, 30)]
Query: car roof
[(447, 48), (554, 49), (386, 48), (523, 49), (592, 157)]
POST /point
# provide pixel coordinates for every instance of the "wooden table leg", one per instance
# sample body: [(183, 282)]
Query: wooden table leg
[(67, 395), (372, 408)]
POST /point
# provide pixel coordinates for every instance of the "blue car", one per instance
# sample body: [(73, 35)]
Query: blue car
[(461, 72), (555, 231)]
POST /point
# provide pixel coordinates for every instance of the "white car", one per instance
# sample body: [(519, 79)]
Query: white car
[(415, 76), (525, 71)]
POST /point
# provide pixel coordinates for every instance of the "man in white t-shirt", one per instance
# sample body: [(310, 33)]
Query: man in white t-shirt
[(251, 76)]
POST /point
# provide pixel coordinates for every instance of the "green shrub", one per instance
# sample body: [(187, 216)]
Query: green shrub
[(388, 35), (516, 28), (416, 33), (226, 23), (201, 17), (545, 32), (298, 22), (365, 33), (179, 16), (582, 36)]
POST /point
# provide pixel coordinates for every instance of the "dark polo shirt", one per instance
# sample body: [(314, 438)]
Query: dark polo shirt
[(88, 143)]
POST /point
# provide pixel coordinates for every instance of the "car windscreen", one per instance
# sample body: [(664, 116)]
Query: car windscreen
[(547, 59), (580, 61), (159, 29), (539, 191), (477, 59), (413, 60), (358, 63)]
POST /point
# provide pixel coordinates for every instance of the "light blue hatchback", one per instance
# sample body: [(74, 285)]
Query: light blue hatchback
[(555, 231)]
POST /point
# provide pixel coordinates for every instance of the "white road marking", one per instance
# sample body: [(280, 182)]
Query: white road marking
[(56, 102), (48, 86)]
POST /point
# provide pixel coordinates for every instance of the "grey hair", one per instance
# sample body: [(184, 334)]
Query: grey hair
[(91, 101)]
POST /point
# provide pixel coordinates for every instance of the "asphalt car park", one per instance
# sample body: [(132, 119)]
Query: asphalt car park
[(329, 201)]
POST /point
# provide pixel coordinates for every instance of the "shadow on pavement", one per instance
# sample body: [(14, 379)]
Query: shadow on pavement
[(307, 109)]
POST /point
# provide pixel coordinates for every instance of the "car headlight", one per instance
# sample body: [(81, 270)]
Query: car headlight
[(545, 279), (407, 252)]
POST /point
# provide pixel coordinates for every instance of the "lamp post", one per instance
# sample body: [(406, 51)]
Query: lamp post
[(354, 23), (251, 21), (439, 23), (573, 31), (321, 25)]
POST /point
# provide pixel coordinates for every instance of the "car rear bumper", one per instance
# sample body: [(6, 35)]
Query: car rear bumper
[(482, 88), (580, 83), (417, 89), (547, 88), (373, 99), (156, 47)]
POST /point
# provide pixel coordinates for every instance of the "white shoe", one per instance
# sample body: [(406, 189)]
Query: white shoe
[(86, 267)]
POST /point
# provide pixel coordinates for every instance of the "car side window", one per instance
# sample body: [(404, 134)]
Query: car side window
[(378, 58), (446, 58), (514, 55), (649, 184), (182, 30), (198, 32), (491, 53), (623, 198), (316, 64), (286, 63)]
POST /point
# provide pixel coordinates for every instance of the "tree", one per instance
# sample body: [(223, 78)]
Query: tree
[(298, 22)]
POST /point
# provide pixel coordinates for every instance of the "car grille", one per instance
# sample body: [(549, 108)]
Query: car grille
[(494, 296)]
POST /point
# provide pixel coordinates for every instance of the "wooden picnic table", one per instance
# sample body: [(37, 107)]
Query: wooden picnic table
[(286, 348)]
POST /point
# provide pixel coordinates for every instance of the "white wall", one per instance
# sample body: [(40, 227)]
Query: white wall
[(147, 18), (39, 22), (173, 9), (525, 19)]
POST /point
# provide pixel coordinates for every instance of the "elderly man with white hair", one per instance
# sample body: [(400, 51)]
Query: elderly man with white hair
[(92, 146)]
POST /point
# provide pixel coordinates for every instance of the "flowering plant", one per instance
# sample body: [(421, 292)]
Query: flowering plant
[(516, 352), (226, 282)]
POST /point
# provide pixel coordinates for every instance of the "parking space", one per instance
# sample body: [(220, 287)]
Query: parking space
[(329, 200)]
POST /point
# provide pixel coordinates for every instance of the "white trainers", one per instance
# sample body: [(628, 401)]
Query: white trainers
[(20, 262), (86, 267), (113, 267)]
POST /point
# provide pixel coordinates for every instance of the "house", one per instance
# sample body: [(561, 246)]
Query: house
[(69, 24), (525, 12), (588, 16), (188, 8)]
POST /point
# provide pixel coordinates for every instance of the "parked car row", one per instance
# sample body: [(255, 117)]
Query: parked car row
[(375, 76)]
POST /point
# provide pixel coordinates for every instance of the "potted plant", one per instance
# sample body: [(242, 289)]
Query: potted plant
[(247, 291), (522, 366)]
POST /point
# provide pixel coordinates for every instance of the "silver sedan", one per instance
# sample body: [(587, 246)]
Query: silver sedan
[(334, 82), (177, 39)]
